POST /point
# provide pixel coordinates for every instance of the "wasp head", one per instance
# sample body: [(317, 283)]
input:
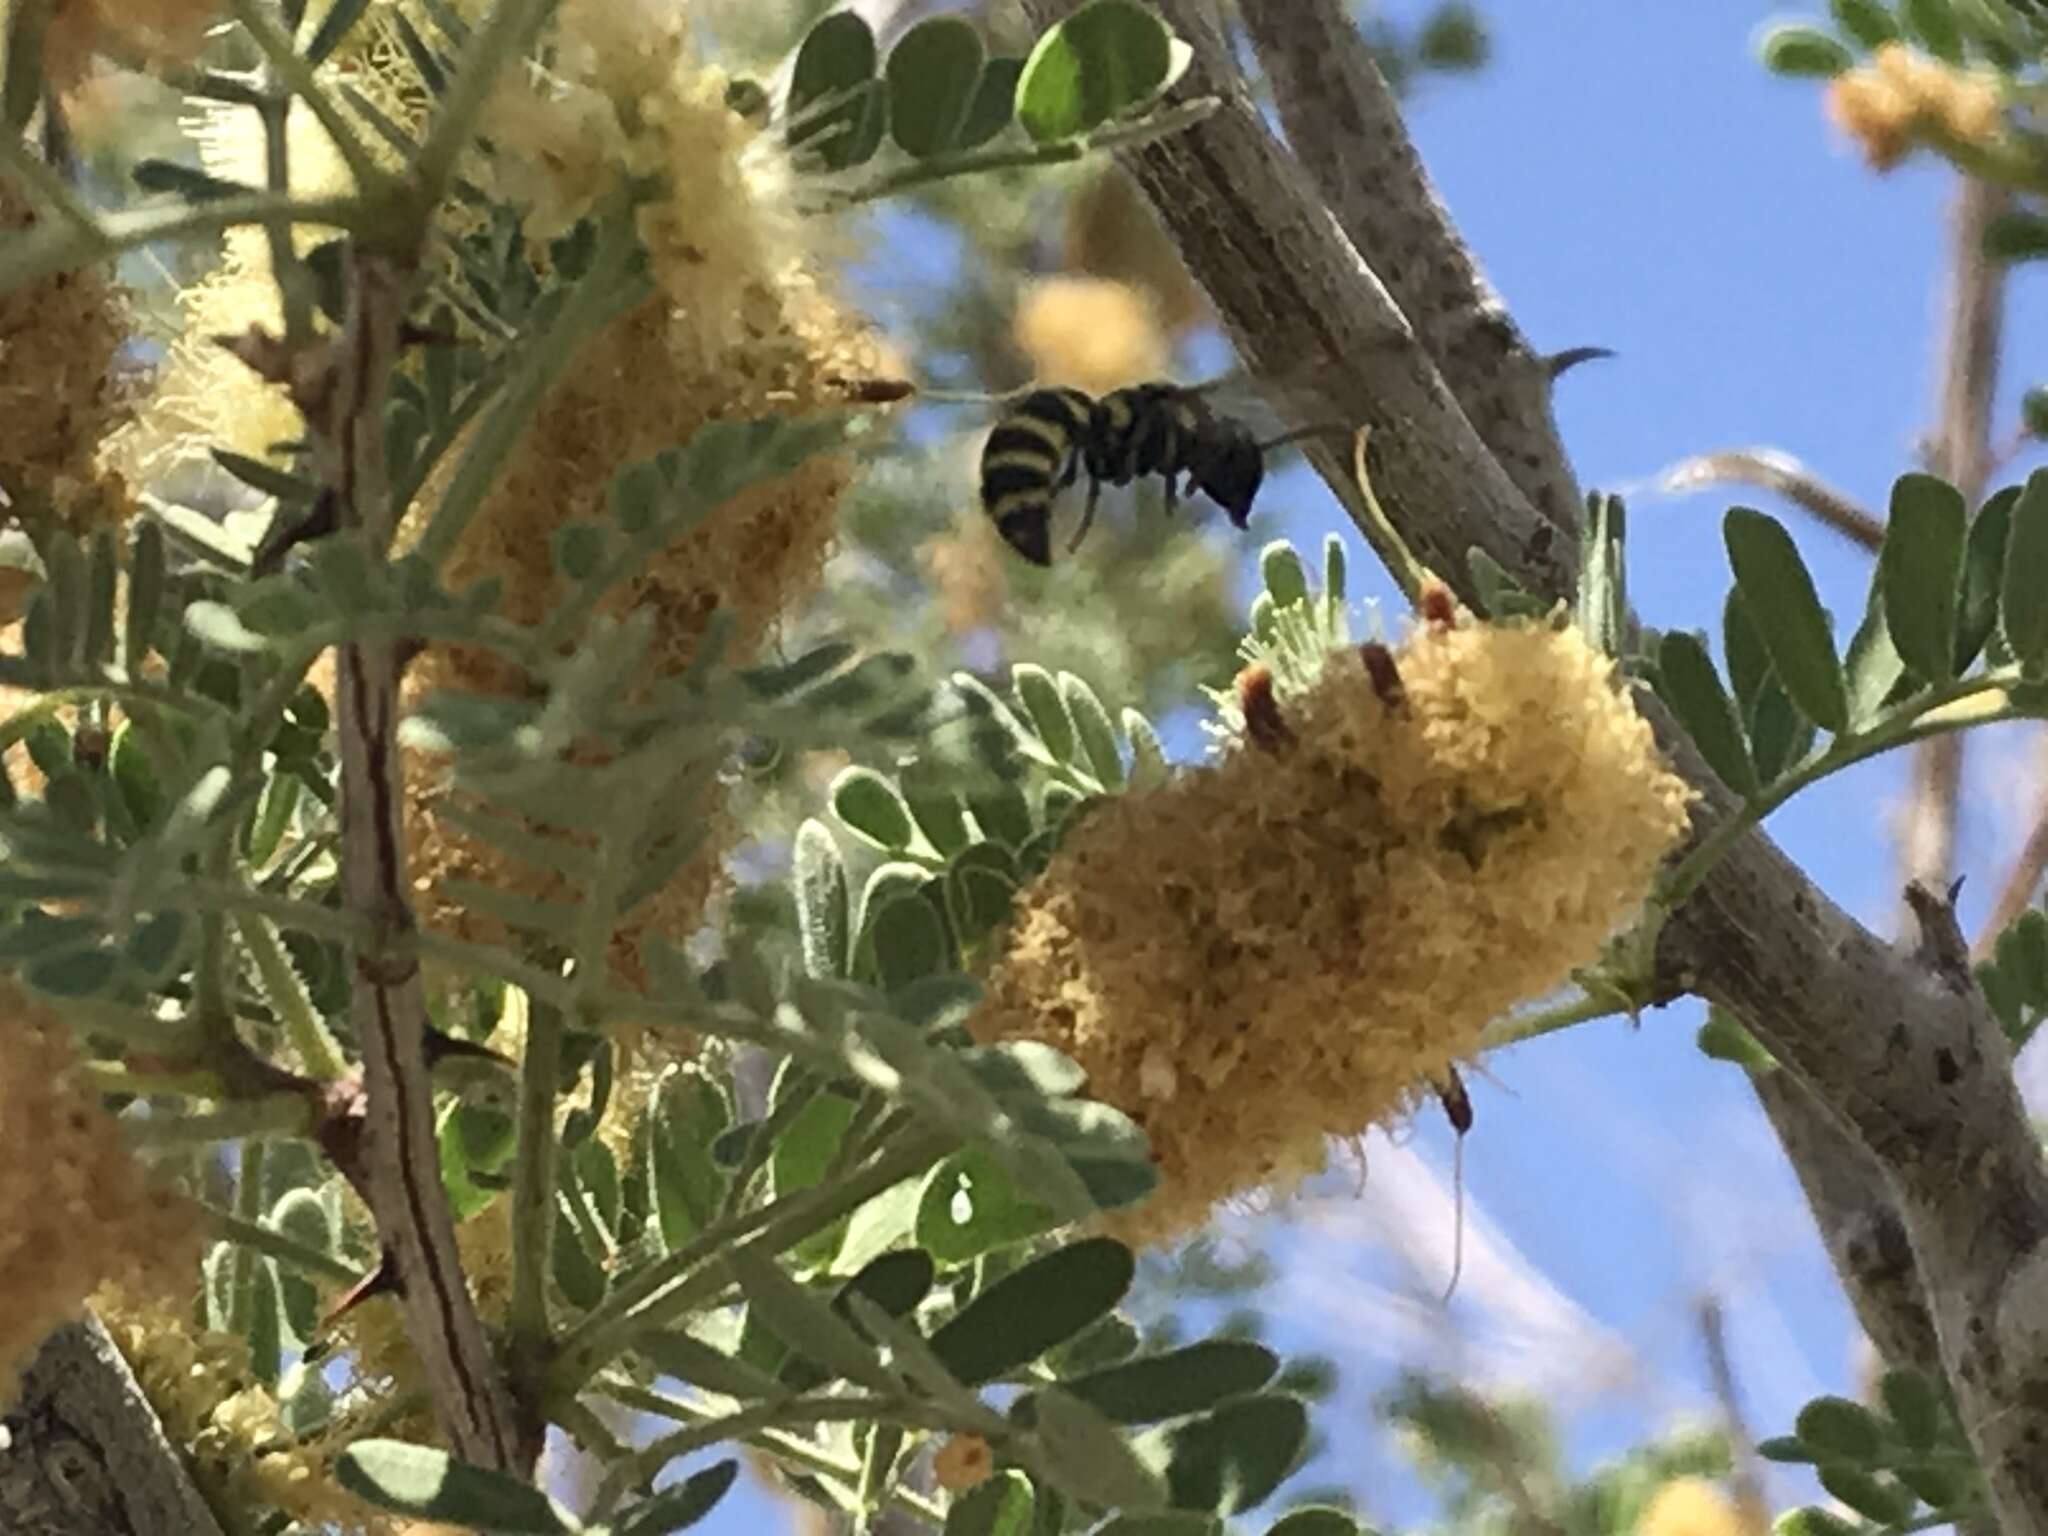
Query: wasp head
[(1230, 470)]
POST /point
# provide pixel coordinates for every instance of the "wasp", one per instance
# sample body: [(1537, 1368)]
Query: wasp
[(1050, 436)]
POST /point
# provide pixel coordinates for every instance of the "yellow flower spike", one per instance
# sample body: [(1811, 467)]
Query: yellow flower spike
[(1291, 945)]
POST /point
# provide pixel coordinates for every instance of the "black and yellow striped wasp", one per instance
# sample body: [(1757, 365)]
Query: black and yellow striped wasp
[(1048, 437)]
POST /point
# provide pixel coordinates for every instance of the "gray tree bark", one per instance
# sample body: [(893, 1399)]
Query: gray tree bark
[(82, 1452)]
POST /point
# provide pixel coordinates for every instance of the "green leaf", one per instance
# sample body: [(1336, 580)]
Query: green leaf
[(821, 902), (1723, 1038), (810, 1327), (1914, 1406), (1285, 578), (1789, 1449), (933, 73), (1000, 1505), (1933, 24), (580, 548), (994, 103), (1877, 1499), (1983, 574), (1500, 595), (934, 805), (970, 1204), (1230, 1459), (1105, 60), (1749, 664), (1688, 683), (680, 1507), (1027, 1312), (687, 1184), (1869, 22), (2016, 235), (809, 1143), (1780, 596), (837, 109), (145, 594), (222, 628), (1603, 602), (1003, 814), (1920, 571), (1811, 1520), (1315, 1520), (1872, 666), (1172, 1522), (1177, 1382), (872, 809), (1791, 48), (1840, 1427), (2023, 595), (1091, 1457), (1096, 734), (981, 882), (689, 1359), (907, 938), (1040, 696), (430, 1484), (1779, 736), (1148, 755)]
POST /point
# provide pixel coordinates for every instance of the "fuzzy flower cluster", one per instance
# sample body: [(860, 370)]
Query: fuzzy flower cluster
[(158, 33), (1692, 1506), (243, 1458), (75, 1208), (1902, 99), (1288, 945), (1093, 334), (739, 327), (60, 391)]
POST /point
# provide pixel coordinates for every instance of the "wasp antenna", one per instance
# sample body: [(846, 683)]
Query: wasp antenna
[(1558, 363), (1458, 1110)]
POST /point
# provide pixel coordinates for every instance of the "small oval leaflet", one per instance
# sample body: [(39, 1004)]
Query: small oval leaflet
[(933, 74), (1793, 49), (871, 808), (1780, 596), (430, 1484), (1026, 1313), (1102, 62)]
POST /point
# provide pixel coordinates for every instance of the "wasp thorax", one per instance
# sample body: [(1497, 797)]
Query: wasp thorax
[(1314, 939)]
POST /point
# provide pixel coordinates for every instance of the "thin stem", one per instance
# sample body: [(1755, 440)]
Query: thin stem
[(308, 1033), (1171, 120), (244, 1260), (640, 1468), (671, 1286), (1517, 1028), (274, 1114), (292, 68), (286, 1249), (286, 269), (25, 258), (1917, 721), (533, 1186), (500, 39)]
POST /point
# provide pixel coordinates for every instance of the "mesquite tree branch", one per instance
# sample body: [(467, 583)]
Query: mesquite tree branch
[(401, 1166), (1898, 1051)]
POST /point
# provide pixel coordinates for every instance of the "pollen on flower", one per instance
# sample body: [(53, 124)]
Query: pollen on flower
[(81, 1210), (1903, 99), (1090, 333), (61, 391), (737, 330), (1692, 1506), (1312, 938)]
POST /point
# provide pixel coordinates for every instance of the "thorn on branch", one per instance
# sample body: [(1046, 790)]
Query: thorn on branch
[(1941, 949), (1557, 364), (323, 518)]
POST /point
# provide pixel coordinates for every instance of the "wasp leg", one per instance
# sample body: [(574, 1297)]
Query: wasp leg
[(1172, 492), (1087, 515)]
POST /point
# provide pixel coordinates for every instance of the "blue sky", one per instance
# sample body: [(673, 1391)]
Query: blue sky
[(1632, 178)]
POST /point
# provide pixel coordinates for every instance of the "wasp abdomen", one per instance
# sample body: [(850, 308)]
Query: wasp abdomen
[(1033, 453)]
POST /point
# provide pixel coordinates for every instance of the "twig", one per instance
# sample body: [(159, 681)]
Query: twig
[(387, 1001), (2024, 878), (1774, 470), (1749, 1483)]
